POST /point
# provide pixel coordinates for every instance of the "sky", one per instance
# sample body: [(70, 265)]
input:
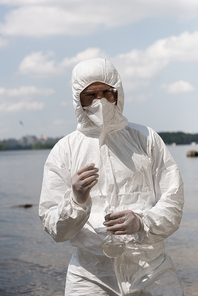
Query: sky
[(152, 43)]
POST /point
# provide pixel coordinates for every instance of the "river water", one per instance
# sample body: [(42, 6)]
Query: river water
[(31, 263)]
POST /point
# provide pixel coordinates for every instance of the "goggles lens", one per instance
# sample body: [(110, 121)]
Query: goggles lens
[(87, 97)]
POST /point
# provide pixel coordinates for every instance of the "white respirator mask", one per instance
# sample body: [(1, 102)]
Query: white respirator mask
[(101, 112)]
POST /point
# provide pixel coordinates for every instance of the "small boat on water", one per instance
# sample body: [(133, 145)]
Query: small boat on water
[(192, 153)]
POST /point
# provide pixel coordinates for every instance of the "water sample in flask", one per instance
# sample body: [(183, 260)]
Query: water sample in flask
[(113, 246)]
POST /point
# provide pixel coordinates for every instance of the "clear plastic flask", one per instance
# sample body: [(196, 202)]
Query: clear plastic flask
[(113, 246)]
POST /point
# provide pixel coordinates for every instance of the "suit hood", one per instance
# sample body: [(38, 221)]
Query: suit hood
[(86, 73)]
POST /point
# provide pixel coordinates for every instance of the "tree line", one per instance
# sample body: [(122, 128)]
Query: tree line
[(179, 138), (38, 145)]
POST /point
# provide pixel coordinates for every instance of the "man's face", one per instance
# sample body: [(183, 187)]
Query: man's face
[(97, 90)]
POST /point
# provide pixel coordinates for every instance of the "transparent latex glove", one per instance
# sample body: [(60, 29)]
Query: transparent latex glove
[(124, 222), (82, 182), (113, 246)]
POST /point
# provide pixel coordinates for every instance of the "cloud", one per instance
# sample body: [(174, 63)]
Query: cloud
[(62, 124), (25, 91), (178, 87), (138, 98), (59, 122), (66, 103), (20, 106), (26, 2), (65, 17), (3, 42), (137, 67), (39, 21), (19, 99), (89, 53), (40, 64)]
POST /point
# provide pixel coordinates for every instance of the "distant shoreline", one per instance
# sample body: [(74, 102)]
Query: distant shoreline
[(33, 143), (37, 146)]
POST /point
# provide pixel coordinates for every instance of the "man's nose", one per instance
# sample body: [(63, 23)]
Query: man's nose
[(99, 95)]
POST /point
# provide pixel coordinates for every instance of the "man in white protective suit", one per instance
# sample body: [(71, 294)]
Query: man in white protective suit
[(112, 176)]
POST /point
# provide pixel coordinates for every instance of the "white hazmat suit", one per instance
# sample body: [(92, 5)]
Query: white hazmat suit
[(136, 172)]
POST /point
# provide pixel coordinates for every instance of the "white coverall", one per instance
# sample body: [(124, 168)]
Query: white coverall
[(136, 172)]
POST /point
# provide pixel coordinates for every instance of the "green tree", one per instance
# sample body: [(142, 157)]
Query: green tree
[(2, 146), (40, 145)]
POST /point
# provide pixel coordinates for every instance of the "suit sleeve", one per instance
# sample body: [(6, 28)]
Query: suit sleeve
[(164, 217), (61, 216)]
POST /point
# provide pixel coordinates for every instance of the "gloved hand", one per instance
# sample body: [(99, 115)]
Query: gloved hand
[(124, 222), (82, 182)]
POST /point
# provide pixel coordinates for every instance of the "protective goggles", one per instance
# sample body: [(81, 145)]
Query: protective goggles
[(88, 96)]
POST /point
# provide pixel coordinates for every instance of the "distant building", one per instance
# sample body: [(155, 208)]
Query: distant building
[(28, 141)]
